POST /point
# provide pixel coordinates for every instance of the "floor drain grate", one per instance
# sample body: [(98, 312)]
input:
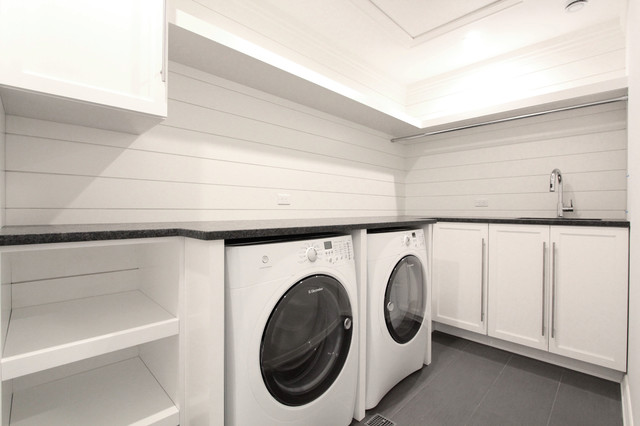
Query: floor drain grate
[(379, 420)]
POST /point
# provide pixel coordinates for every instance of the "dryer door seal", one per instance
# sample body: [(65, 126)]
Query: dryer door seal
[(306, 340), (404, 300)]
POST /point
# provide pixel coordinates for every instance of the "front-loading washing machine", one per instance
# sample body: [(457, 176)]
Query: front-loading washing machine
[(291, 332), (398, 309)]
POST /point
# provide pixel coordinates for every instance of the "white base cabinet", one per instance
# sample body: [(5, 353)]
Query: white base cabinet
[(589, 294), (518, 284), (101, 64), (459, 282), (561, 289)]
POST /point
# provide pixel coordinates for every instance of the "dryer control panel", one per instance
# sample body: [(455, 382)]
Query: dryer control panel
[(413, 239), (334, 251)]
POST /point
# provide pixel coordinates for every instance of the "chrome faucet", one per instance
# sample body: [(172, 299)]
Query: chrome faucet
[(556, 175)]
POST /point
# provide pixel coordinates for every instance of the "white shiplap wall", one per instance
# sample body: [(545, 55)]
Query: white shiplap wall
[(2, 166), (225, 152), (509, 166)]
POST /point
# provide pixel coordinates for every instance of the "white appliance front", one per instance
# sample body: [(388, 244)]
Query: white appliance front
[(398, 310), (291, 340)]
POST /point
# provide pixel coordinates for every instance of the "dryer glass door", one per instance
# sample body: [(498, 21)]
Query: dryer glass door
[(306, 340), (404, 299)]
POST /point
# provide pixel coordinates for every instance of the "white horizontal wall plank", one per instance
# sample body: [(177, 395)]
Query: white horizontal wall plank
[(194, 117), (524, 204), (181, 142), (225, 152), (81, 216), (30, 190), (194, 86), (587, 181), (30, 154), (593, 161), (508, 165), (589, 129)]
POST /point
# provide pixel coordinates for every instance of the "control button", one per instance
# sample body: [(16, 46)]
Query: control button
[(312, 254)]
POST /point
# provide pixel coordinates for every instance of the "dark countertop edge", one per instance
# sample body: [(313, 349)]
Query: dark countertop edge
[(224, 230), (540, 221), (227, 230)]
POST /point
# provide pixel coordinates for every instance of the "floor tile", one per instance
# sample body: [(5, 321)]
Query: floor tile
[(472, 384), (451, 396), (585, 400), (523, 394), (490, 418), (445, 348)]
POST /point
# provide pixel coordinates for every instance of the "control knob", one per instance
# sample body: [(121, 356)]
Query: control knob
[(406, 240), (312, 254)]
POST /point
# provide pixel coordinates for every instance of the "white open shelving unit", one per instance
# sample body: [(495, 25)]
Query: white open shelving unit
[(90, 333)]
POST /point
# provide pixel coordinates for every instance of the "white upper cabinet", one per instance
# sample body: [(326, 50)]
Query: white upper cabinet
[(518, 284), (85, 62), (459, 275), (589, 294)]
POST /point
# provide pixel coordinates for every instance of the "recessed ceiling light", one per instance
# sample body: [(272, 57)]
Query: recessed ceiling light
[(575, 5)]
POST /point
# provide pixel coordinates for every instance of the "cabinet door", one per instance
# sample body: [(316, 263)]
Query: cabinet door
[(517, 305), (459, 275), (589, 293), (101, 52)]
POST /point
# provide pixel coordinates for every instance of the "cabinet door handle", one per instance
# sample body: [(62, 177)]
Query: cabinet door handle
[(544, 270), (482, 285), (553, 291)]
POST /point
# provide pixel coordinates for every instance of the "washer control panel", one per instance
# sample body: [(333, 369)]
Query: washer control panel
[(413, 239), (333, 251)]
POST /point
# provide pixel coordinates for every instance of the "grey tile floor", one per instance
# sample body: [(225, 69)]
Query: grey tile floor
[(472, 384)]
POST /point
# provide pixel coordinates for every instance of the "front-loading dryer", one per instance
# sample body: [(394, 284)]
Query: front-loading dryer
[(291, 337), (398, 309)]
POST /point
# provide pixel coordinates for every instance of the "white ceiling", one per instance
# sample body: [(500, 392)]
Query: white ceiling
[(409, 41)]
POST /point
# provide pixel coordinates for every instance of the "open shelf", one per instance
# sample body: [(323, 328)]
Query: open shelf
[(45, 336), (117, 394)]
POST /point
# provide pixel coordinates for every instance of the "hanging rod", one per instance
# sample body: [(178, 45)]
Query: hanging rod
[(517, 117)]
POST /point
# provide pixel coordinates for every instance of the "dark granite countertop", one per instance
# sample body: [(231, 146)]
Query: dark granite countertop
[(240, 229), (219, 230), (567, 221)]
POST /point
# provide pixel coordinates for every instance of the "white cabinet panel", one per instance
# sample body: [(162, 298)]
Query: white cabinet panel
[(459, 275), (60, 56), (589, 294), (518, 260)]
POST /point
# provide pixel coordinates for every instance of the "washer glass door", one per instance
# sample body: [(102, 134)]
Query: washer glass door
[(404, 299), (306, 340)]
